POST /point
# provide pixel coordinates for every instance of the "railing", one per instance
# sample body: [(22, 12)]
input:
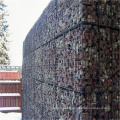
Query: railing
[(10, 95)]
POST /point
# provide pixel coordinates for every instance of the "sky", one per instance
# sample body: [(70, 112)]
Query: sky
[(22, 16)]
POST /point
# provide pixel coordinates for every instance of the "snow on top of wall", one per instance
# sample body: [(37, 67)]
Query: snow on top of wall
[(9, 94), (9, 108), (9, 81)]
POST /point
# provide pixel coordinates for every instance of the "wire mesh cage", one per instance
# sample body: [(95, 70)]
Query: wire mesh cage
[(71, 63)]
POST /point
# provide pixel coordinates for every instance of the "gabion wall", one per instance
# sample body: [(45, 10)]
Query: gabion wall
[(71, 62)]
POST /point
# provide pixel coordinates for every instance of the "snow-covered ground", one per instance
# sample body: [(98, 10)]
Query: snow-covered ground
[(10, 116)]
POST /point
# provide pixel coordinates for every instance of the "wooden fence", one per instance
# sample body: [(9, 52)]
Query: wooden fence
[(10, 95)]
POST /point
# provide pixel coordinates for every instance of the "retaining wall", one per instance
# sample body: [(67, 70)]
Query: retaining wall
[(71, 63)]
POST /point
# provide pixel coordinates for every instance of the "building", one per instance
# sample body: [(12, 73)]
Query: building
[(10, 88)]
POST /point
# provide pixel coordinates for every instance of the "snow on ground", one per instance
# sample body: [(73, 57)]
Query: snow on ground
[(10, 116)]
